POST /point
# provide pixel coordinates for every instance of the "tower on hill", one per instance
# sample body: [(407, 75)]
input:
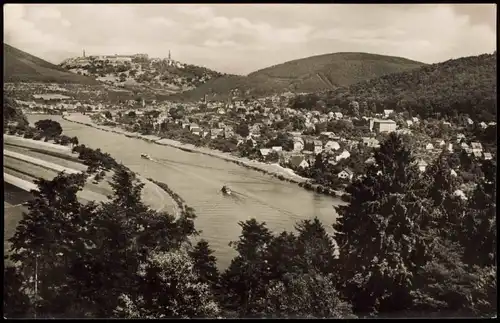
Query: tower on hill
[(84, 53), (169, 56)]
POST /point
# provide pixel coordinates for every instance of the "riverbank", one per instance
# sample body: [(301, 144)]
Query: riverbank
[(274, 170), (153, 195)]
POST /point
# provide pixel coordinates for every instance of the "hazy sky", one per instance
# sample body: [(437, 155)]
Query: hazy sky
[(241, 38)]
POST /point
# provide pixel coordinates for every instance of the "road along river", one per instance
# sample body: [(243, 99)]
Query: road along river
[(198, 179)]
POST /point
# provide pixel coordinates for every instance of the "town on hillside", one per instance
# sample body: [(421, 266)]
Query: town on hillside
[(272, 130)]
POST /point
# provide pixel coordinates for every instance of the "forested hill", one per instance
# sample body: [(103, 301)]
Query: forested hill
[(310, 74), (460, 86)]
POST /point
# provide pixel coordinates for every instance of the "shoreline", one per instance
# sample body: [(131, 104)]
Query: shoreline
[(278, 172), (169, 202)]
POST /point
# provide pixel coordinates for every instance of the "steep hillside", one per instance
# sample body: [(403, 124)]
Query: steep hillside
[(20, 66), (456, 87), (139, 71), (316, 73)]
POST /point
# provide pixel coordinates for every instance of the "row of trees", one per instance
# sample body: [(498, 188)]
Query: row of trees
[(403, 245), (42, 130)]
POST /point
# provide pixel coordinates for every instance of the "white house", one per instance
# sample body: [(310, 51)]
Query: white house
[(370, 161), (344, 155), (429, 146), (318, 147), (264, 152), (476, 146), (422, 165), (332, 145), (382, 125), (460, 194), (346, 174), (298, 161), (298, 144), (387, 113)]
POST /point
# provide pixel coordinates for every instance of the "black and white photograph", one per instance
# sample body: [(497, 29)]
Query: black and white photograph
[(233, 161)]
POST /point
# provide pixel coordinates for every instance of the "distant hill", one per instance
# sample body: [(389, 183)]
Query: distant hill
[(20, 66), (316, 73), (164, 76), (456, 87)]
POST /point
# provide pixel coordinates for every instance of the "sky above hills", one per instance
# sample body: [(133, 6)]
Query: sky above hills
[(242, 38)]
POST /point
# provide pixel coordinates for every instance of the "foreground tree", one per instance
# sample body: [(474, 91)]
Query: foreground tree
[(49, 128), (303, 296), (87, 255), (169, 288), (205, 264), (378, 231), (245, 279)]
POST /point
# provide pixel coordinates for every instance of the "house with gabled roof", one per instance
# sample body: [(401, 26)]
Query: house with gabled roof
[(346, 173)]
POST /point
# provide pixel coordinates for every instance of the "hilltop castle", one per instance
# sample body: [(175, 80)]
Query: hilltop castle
[(127, 58)]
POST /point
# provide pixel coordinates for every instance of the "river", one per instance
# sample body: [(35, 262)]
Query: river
[(198, 179)]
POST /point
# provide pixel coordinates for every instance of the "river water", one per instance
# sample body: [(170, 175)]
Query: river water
[(198, 179)]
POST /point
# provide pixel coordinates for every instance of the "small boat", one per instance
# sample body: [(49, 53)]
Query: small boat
[(145, 156), (226, 190)]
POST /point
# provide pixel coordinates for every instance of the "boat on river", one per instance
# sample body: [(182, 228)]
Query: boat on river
[(145, 156), (226, 190)]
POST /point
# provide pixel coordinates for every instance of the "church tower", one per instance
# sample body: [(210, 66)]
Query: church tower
[(84, 53), (169, 56)]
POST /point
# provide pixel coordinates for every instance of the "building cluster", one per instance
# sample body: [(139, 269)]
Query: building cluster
[(116, 60)]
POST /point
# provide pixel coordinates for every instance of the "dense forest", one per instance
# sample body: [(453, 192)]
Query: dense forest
[(464, 86), (405, 245)]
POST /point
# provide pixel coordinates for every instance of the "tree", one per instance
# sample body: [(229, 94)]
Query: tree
[(49, 236), (377, 232), (49, 128), (479, 232), (123, 77), (205, 263), (242, 130), (13, 113), (108, 115), (16, 298), (303, 296), (315, 248), (132, 114), (169, 288), (74, 141), (446, 286), (244, 281)]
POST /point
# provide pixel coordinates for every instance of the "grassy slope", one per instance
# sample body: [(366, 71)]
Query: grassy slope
[(316, 73), (20, 66)]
